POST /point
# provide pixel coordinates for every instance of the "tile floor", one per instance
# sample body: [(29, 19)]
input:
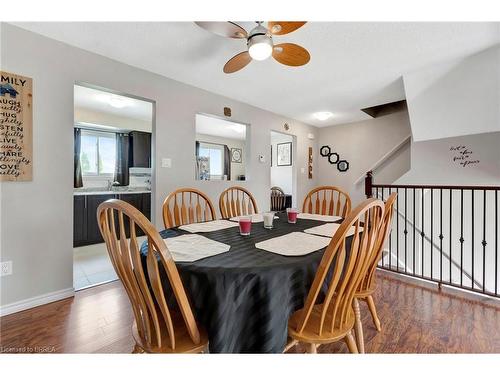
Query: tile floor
[(91, 265)]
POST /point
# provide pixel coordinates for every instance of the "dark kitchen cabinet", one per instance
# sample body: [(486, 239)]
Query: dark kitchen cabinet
[(140, 149), (79, 220), (85, 226)]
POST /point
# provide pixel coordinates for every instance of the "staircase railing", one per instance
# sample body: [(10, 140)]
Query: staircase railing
[(445, 234)]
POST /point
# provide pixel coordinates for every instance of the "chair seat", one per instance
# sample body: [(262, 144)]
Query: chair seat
[(183, 342), (310, 334)]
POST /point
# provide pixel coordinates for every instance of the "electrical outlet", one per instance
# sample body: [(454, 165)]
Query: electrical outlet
[(6, 268)]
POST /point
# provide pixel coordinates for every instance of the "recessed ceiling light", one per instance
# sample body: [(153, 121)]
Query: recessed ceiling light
[(323, 116)]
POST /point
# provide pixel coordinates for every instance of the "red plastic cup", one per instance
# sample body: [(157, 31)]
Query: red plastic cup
[(292, 215), (245, 225)]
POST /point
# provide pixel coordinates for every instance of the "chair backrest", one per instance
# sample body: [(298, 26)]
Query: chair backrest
[(327, 200), (186, 206), (237, 201), (150, 309), (346, 268), (367, 283), (277, 199)]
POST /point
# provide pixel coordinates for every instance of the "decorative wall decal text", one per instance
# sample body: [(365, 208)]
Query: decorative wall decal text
[(462, 155), (16, 127)]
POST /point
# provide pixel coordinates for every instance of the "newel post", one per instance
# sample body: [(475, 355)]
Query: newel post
[(368, 184)]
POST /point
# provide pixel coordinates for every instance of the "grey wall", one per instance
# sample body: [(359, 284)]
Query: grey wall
[(36, 216), (362, 144), (455, 98)]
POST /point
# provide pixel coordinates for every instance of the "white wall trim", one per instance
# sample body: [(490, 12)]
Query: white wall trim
[(42, 299)]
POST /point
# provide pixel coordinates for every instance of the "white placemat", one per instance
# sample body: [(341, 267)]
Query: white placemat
[(327, 218), (256, 218), (208, 226), (294, 244), (329, 230), (192, 247)]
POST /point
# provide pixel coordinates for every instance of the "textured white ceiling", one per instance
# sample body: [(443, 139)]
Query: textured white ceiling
[(98, 100), (353, 65), (210, 125)]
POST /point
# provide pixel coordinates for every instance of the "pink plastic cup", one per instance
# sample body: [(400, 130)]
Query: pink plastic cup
[(292, 215), (245, 226)]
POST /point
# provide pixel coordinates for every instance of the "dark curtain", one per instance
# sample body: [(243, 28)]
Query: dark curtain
[(122, 159), (197, 153), (77, 178), (227, 162)]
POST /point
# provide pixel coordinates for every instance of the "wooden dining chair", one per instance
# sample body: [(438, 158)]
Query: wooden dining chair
[(157, 327), (278, 199), (186, 206), (367, 286), (328, 315), (237, 201), (327, 200)]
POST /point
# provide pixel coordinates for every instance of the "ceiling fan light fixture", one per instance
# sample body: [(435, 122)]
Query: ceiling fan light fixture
[(260, 43)]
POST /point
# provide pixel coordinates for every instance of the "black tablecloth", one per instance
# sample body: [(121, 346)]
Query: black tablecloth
[(244, 297)]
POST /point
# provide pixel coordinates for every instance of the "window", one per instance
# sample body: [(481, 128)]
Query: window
[(215, 155), (98, 153)]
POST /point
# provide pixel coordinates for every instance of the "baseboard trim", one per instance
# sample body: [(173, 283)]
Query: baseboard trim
[(42, 299)]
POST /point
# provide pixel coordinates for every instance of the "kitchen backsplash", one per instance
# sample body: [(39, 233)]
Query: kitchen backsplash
[(138, 177)]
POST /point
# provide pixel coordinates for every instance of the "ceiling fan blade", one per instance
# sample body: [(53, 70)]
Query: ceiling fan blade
[(283, 27), (227, 29), (291, 54), (237, 62)]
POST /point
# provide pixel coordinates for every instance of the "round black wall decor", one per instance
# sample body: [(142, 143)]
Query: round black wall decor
[(333, 158), (325, 151), (342, 165)]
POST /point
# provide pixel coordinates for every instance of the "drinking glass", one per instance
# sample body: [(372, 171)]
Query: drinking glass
[(292, 215), (245, 225), (268, 220)]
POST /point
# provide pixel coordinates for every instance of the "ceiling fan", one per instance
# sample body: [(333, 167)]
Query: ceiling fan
[(260, 43)]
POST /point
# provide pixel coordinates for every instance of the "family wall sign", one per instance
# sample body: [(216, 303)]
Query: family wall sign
[(16, 127)]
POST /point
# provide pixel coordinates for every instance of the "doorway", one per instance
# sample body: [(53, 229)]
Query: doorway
[(113, 158), (282, 165)]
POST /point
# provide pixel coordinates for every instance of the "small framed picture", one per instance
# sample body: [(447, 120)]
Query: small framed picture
[(236, 155), (284, 154)]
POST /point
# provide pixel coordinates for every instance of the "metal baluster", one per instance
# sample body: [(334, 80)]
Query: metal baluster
[(390, 241), (382, 251), (441, 237), (496, 242), (461, 235), (451, 220), (414, 230), (406, 230), (422, 233), (397, 230), (432, 233), (472, 240), (484, 243)]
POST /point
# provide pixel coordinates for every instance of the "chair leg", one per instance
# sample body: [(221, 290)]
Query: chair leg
[(311, 348), (137, 350), (358, 326), (351, 343), (290, 344), (373, 311)]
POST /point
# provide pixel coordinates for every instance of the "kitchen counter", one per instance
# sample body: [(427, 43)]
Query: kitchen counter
[(111, 192)]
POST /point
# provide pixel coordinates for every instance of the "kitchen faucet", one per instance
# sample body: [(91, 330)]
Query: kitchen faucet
[(111, 184)]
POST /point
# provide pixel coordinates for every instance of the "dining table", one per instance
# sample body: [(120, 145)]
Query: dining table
[(244, 297)]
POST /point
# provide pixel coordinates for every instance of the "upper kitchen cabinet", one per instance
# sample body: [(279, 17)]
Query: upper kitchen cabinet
[(140, 149)]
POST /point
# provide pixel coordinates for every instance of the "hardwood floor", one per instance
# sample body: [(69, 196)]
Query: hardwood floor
[(415, 319)]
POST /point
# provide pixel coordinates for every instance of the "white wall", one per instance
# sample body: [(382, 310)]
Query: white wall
[(455, 98), (281, 176), (236, 168), (362, 144), (36, 223)]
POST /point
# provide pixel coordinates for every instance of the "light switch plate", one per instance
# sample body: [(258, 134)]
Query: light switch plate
[(302, 170), (6, 268), (166, 163)]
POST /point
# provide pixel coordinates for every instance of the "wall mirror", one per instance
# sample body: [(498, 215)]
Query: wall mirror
[(220, 149)]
